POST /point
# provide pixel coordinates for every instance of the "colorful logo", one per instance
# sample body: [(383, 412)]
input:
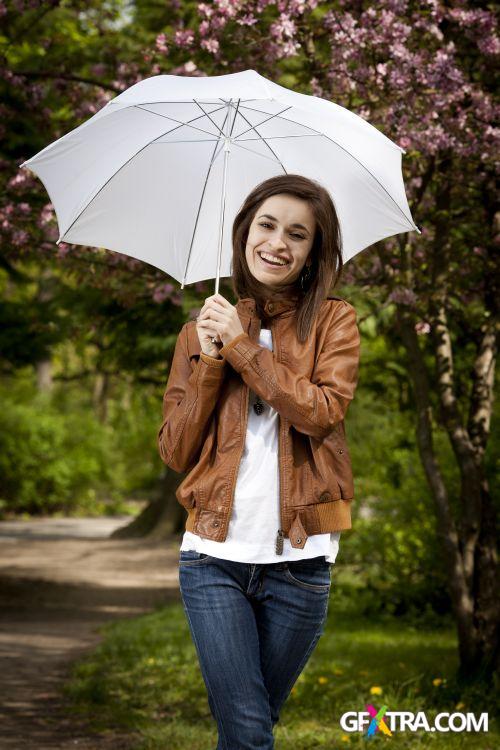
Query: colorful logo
[(377, 724)]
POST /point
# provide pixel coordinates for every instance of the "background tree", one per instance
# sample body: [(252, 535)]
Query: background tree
[(422, 74)]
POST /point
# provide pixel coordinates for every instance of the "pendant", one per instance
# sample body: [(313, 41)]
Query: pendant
[(279, 542), (258, 406)]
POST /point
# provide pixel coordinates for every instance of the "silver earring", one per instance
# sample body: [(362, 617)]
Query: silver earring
[(304, 277)]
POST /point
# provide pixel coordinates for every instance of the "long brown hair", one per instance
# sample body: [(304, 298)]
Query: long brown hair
[(325, 254)]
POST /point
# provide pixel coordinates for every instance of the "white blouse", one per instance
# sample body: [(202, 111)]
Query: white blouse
[(255, 517)]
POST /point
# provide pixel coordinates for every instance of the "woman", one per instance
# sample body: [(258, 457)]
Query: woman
[(254, 411)]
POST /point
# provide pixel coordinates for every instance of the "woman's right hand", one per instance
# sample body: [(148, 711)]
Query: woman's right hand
[(206, 331)]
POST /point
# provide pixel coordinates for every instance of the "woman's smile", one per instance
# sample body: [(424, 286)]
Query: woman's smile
[(277, 262), (279, 240)]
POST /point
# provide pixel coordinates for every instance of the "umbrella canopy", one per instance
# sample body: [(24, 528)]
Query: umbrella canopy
[(161, 169)]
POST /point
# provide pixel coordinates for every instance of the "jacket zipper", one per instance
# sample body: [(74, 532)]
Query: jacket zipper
[(280, 535)]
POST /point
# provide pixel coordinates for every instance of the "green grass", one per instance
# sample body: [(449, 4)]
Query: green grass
[(145, 677)]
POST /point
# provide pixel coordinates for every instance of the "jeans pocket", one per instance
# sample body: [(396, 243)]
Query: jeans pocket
[(191, 557), (313, 574)]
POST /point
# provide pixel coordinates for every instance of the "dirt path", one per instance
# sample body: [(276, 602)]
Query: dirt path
[(60, 579)]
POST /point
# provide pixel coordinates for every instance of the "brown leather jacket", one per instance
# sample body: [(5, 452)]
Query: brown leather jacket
[(310, 385)]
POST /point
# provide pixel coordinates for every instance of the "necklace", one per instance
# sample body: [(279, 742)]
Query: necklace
[(258, 406)]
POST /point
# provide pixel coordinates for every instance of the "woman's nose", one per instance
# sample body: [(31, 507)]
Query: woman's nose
[(277, 243)]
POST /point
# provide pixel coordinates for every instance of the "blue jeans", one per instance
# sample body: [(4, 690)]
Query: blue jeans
[(254, 627)]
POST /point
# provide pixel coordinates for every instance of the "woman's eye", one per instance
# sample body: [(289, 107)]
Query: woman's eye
[(265, 225)]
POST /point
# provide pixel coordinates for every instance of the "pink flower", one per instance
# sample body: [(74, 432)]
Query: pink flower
[(422, 328), (184, 38), (19, 237), (161, 292), (62, 250), (403, 296), (46, 214), (211, 45), (161, 44)]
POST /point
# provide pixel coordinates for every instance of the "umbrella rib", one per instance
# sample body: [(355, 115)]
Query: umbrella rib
[(146, 145), (274, 137), (253, 127), (195, 140), (186, 124), (206, 114), (264, 156), (214, 156), (235, 116), (317, 132)]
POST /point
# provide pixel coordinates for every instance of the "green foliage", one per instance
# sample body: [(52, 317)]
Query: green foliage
[(51, 461), (55, 459), (145, 676), (394, 550)]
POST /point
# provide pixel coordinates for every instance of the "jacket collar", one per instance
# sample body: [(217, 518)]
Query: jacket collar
[(246, 306)]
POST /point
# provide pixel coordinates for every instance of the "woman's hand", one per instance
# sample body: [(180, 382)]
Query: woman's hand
[(206, 331), (218, 318)]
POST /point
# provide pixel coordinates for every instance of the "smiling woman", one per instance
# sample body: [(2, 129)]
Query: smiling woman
[(274, 242), (292, 220), (258, 426)]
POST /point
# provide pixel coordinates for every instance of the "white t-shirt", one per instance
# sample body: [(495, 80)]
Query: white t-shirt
[(255, 516)]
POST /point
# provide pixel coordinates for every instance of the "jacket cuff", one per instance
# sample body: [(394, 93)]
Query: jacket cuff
[(226, 349), (213, 361), (239, 351)]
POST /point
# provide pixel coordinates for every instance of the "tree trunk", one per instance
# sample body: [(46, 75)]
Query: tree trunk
[(100, 396), (44, 295), (162, 517), (469, 552), (43, 369)]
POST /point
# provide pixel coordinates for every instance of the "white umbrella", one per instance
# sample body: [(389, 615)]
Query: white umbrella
[(158, 172)]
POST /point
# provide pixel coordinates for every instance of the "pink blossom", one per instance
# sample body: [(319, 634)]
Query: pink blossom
[(211, 45), (19, 237), (19, 179), (205, 9), (99, 69), (228, 8), (161, 44), (422, 328), (46, 214), (480, 251), (403, 296), (247, 20), (161, 292), (62, 250), (184, 38)]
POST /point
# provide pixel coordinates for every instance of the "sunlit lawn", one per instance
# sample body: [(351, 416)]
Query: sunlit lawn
[(145, 677)]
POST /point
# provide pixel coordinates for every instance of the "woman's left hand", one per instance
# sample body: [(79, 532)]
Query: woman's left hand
[(224, 317)]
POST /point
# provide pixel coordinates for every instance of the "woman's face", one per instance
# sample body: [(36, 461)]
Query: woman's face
[(283, 229)]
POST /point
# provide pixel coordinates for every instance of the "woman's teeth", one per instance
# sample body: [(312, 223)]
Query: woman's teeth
[(271, 260)]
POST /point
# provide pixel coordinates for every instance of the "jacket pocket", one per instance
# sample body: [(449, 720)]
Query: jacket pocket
[(188, 496), (331, 469)]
